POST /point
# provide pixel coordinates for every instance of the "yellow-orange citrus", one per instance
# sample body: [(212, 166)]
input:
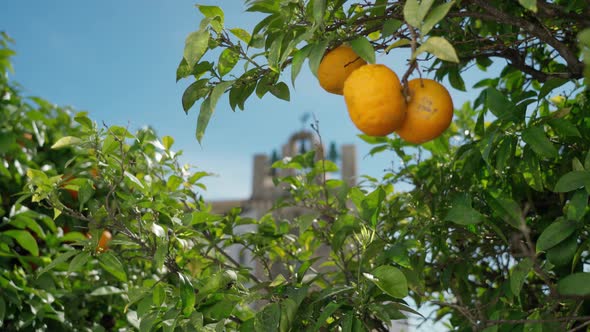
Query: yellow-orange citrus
[(374, 98), (336, 66), (429, 113), (103, 242)]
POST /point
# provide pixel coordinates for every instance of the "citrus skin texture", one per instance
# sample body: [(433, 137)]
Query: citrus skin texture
[(430, 111), (103, 242), (336, 66), (373, 96)]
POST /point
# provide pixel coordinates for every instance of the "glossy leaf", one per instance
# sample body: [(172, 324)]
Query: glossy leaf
[(391, 280), (556, 232), (364, 49), (24, 239), (316, 54), (65, 142), (187, 295), (297, 61)]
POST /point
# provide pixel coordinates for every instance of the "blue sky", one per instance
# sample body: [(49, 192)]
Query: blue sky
[(117, 60)]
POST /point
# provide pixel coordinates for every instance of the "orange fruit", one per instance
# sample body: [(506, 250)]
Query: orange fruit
[(336, 66), (430, 111), (103, 242), (374, 98)]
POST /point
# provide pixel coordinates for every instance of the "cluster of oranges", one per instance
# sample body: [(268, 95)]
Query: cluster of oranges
[(376, 101)]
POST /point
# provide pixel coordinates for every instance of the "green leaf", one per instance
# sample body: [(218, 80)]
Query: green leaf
[(134, 179), (456, 80), (208, 106), (564, 127), (227, 61), (167, 141), (556, 232), (534, 325), (518, 275), (24, 239), (183, 70), (327, 311), (212, 12), (315, 56), (268, 319), (399, 43), (436, 15), (390, 26), (535, 137), (572, 181), (508, 210), (319, 10), (531, 171), (362, 46), (194, 92), (281, 91), (391, 280), (112, 265), (462, 213), (297, 61), (66, 142), (577, 205), (550, 85), (78, 262), (187, 295), (499, 105), (82, 118), (64, 257), (242, 34), (563, 253), (577, 284), (411, 9), (529, 5), (439, 47), (288, 311), (196, 45)]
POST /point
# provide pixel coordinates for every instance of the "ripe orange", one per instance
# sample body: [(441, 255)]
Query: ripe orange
[(374, 98), (336, 66), (430, 111), (103, 242)]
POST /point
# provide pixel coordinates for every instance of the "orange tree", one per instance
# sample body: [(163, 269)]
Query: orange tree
[(494, 232)]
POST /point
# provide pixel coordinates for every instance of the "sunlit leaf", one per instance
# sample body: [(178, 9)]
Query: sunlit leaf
[(391, 280), (364, 49), (196, 45), (24, 239), (439, 47), (66, 142)]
